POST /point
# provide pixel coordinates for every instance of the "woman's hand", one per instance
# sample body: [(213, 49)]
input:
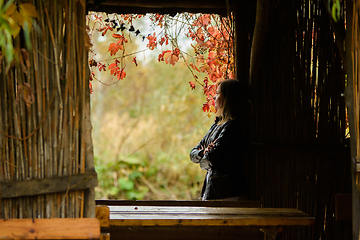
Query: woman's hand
[(210, 147)]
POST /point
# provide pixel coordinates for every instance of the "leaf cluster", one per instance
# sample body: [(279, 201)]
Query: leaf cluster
[(213, 46), (13, 18)]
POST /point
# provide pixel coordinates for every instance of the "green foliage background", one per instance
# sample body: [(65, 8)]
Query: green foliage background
[(144, 128)]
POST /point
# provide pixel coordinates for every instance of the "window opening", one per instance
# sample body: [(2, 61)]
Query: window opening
[(149, 97)]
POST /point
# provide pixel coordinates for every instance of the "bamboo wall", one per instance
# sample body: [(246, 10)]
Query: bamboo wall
[(44, 128), (299, 158)]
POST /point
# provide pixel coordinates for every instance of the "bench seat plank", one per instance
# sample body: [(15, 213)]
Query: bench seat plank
[(50, 228), (206, 216)]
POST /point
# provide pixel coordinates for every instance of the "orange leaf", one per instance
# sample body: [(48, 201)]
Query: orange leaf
[(152, 42), (121, 74), (134, 61), (114, 48), (193, 66), (115, 35), (170, 58), (113, 68)]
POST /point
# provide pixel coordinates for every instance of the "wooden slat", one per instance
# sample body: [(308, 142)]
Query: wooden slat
[(115, 210), (205, 216), (48, 185), (193, 220), (52, 228)]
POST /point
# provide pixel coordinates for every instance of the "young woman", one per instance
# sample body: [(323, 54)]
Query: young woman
[(221, 151)]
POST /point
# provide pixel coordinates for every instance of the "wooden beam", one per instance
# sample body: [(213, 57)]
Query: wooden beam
[(50, 228), (162, 7), (199, 4), (49, 185)]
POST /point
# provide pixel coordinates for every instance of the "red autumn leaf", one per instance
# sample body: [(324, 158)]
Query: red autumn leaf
[(193, 66), (206, 80), (113, 68), (152, 42), (115, 35), (161, 42), (134, 61), (161, 55), (176, 52), (171, 58), (104, 30), (115, 47), (121, 73), (192, 85), (102, 67), (97, 18), (91, 89), (206, 107)]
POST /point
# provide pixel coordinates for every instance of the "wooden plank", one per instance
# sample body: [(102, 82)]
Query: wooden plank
[(50, 228), (102, 213), (343, 207), (114, 210), (192, 220), (206, 216), (49, 185)]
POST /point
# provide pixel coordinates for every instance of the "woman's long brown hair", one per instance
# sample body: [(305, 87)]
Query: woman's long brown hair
[(234, 97)]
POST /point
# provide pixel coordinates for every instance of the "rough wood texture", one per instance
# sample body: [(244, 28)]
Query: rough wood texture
[(102, 213), (49, 185), (54, 228), (205, 216)]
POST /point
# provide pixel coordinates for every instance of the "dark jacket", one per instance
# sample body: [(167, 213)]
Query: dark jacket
[(224, 163)]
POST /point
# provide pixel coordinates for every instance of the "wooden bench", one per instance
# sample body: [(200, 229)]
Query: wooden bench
[(50, 228), (177, 220)]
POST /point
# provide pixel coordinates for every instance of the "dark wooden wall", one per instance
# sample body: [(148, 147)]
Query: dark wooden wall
[(299, 155)]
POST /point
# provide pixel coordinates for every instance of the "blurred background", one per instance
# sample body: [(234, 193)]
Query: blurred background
[(145, 125)]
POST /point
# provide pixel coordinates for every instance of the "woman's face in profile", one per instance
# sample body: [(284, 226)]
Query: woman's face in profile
[(218, 99)]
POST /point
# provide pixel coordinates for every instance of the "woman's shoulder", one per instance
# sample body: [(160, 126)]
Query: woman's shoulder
[(234, 125)]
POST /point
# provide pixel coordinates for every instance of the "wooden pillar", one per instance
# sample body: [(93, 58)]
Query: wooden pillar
[(260, 30), (352, 102), (241, 59)]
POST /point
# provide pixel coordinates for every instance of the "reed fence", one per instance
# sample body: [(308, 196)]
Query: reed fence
[(44, 119)]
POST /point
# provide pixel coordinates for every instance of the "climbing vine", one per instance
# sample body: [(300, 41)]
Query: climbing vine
[(211, 37)]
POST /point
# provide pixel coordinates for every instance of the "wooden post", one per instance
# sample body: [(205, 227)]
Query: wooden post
[(351, 97), (89, 207), (260, 30), (241, 60)]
